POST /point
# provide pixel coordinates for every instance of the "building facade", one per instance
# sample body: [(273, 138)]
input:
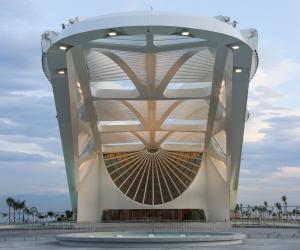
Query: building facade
[(151, 109)]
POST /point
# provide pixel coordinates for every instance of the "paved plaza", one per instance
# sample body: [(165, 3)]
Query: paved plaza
[(257, 238), (49, 243)]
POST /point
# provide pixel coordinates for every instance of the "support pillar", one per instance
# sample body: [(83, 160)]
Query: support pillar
[(89, 195)]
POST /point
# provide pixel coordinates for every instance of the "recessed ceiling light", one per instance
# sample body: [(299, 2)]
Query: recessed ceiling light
[(185, 33), (62, 47), (235, 47), (61, 71), (112, 33), (238, 70)]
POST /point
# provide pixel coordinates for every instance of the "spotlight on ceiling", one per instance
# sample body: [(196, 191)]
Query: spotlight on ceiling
[(185, 33), (112, 33), (63, 47), (237, 70), (235, 47), (61, 71)]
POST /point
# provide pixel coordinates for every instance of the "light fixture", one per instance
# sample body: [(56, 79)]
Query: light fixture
[(61, 71), (185, 33), (235, 47), (238, 70), (62, 47), (112, 33)]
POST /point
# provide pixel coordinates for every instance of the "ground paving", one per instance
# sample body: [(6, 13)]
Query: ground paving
[(49, 243), (257, 238)]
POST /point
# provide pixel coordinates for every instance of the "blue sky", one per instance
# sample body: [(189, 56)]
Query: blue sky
[(31, 161)]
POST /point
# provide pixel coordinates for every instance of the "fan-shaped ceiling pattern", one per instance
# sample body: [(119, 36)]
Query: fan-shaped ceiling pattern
[(153, 177)]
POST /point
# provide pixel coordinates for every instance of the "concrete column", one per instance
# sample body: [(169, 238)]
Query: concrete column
[(89, 195), (217, 194)]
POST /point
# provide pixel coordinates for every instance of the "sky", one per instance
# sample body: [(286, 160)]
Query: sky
[(31, 161)]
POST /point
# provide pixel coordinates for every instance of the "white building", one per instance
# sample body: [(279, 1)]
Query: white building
[(151, 108)]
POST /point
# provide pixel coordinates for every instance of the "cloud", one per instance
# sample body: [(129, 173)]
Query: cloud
[(21, 157), (19, 147), (269, 168), (264, 94), (253, 129), (261, 185), (39, 93), (278, 148), (29, 113), (21, 177), (276, 73), (6, 121), (286, 172), (30, 149), (27, 148)]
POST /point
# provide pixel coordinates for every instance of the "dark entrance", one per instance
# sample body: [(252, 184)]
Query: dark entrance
[(157, 215)]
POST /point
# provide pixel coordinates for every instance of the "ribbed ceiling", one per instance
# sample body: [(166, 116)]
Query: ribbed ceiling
[(153, 177)]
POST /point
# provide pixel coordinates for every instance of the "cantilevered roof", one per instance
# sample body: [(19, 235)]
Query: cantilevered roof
[(130, 83)]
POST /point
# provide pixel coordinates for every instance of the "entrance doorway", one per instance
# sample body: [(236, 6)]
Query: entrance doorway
[(155, 215)]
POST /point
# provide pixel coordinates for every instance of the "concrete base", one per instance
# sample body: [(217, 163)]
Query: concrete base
[(149, 239)]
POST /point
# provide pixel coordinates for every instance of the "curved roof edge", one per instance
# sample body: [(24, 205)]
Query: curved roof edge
[(219, 27)]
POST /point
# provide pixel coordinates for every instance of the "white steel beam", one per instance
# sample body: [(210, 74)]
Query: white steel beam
[(218, 74), (83, 78)]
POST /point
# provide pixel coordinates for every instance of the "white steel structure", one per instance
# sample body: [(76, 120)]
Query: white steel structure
[(151, 108)]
